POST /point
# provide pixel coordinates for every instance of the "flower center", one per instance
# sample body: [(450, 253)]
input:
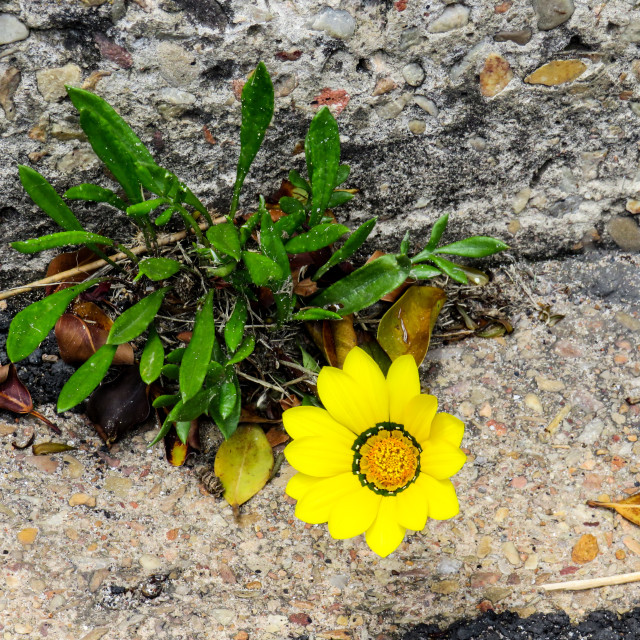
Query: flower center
[(387, 458)]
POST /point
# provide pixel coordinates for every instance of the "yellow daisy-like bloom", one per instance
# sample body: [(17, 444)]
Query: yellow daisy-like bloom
[(378, 459)]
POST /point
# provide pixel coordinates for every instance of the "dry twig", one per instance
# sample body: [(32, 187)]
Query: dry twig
[(591, 583)]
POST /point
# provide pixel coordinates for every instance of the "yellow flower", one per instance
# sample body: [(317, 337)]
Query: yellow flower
[(378, 459)]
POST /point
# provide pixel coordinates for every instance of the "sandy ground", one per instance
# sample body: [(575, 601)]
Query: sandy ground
[(550, 425)]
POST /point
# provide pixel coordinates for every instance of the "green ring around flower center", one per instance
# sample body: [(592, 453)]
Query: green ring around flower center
[(386, 458)]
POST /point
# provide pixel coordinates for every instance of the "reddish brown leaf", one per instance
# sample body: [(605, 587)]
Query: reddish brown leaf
[(208, 135), (344, 337), (248, 416), (335, 99), (290, 401), (174, 449), (290, 56), (14, 396), (112, 51), (64, 262), (185, 336), (276, 436), (305, 287)]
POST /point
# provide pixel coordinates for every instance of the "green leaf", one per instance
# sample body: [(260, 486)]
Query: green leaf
[(291, 206), (215, 374), (165, 216), (474, 247), (378, 354), (165, 401), (137, 318), (351, 245), (118, 158), (146, 207), (157, 268), (152, 357), (257, 111), (404, 245), (166, 425), (311, 401), (284, 306), (322, 152), (234, 329), (156, 179), (320, 236), (61, 239), (289, 224), (244, 463), (247, 228), (45, 196), (31, 325), (262, 270), (314, 313), (182, 429), (436, 232), (298, 181), (175, 356), (338, 198), (198, 354), (342, 174), (225, 407), (225, 238), (424, 271), (94, 193), (366, 285), (272, 246), (308, 362), (194, 407), (86, 378), (171, 371), (450, 268), (244, 350)]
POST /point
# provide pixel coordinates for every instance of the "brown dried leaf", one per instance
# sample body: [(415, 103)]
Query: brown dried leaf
[(628, 508), (175, 450), (64, 262), (276, 436), (14, 396), (344, 337), (45, 448), (585, 550)]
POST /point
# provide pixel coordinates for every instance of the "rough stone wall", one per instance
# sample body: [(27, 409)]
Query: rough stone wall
[(442, 108)]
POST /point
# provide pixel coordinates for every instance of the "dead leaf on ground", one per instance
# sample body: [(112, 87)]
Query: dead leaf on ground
[(65, 262), (406, 327), (585, 550), (45, 448), (628, 508), (276, 436)]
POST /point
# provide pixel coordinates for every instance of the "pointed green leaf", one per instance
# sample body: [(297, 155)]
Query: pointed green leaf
[(168, 422), (322, 235), (338, 198), (366, 285), (342, 174), (165, 401), (45, 196), (61, 239), (146, 207), (298, 181), (244, 350), (152, 358), (225, 407), (314, 313), (137, 318), (436, 232), (272, 246), (86, 378), (94, 193), (424, 271), (450, 268), (197, 356), (31, 325), (157, 268), (234, 329), (195, 407), (175, 356), (171, 371), (474, 247), (262, 270), (225, 238)]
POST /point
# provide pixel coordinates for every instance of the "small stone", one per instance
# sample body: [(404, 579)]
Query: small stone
[(532, 401), (393, 108), (483, 579), (339, 581), (83, 499), (545, 384), (620, 554), (77, 160), (149, 562), (521, 199), (334, 22), (97, 578), (51, 82), (23, 628), (519, 37), (495, 75), (11, 29), (300, 618), (72, 468), (177, 65), (552, 13), (27, 536), (409, 38), (557, 72), (426, 105), (96, 634), (511, 553), (627, 321), (484, 547), (413, 74), (632, 544), (384, 85), (118, 485), (625, 233), (285, 84), (8, 85), (496, 594), (46, 464), (501, 514), (417, 127), (241, 635), (448, 566), (445, 587), (453, 17), (633, 206), (531, 563), (113, 52), (485, 410)]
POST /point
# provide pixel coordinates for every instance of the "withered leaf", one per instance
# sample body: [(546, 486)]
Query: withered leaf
[(406, 327), (174, 449), (344, 337), (45, 448), (628, 508), (116, 407), (64, 262)]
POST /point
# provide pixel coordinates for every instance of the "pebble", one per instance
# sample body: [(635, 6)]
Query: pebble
[(426, 105), (223, 616), (177, 65), (8, 85), (448, 566), (552, 13), (521, 200), (27, 536), (484, 547), (46, 464), (532, 401), (520, 37), (150, 562), (11, 29), (334, 22), (557, 72), (545, 384), (72, 467), (174, 102), (285, 84), (77, 160), (453, 17), (413, 74), (625, 233), (118, 485), (496, 594), (384, 85), (591, 432), (23, 628), (632, 544), (445, 587), (96, 634), (339, 581), (511, 553), (410, 37), (83, 499), (495, 75), (393, 108), (633, 206), (627, 321), (477, 143), (483, 579), (531, 563), (51, 82)]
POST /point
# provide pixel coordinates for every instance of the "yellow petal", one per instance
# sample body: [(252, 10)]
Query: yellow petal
[(413, 507), (347, 400), (403, 382), (418, 415), (441, 494), (441, 460), (316, 505), (448, 428), (317, 456), (385, 534), (299, 484), (302, 422), (353, 513), (373, 388)]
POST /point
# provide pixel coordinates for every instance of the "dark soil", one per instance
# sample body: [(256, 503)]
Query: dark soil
[(599, 625)]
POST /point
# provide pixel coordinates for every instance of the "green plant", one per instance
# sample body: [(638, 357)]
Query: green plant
[(233, 254)]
